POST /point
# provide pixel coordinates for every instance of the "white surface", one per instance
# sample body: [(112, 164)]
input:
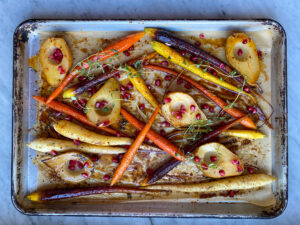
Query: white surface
[(14, 12)]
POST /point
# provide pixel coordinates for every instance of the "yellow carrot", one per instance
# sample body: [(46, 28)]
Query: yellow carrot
[(251, 134), (176, 58), (140, 85)]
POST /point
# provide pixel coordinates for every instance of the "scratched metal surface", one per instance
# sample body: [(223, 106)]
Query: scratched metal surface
[(27, 36)]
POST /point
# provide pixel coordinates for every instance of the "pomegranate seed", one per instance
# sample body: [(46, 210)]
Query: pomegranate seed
[(198, 43), (147, 139), (103, 103), (120, 156), (117, 75), (72, 162), (82, 78), (126, 95), (245, 41), (198, 116), (142, 106), (106, 177), (173, 113), (162, 133), (83, 102), (76, 142), (167, 100), (214, 73), (80, 165), (118, 134), (126, 53), (53, 152), (254, 111), (165, 124), (182, 109), (240, 52), (250, 108), (115, 159), (259, 54), (168, 78), (122, 88), (149, 171), (194, 58), (61, 70), (86, 164), (246, 89), (211, 109), (231, 193), (197, 159), (235, 162), (250, 169), (222, 66), (164, 63), (192, 108), (183, 52), (97, 104), (239, 168), (204, 166), (85, 175), (69, 118), (57, 55), (71, 167), (179, 81), (149, 87), (222, 173), (94, 158), (126, 146), (131, 48), (179, 116), (201, 36), (213, 158), (129, 86), (188, 86), (158, 82)]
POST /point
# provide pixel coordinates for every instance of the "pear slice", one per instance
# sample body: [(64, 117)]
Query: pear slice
[(217, 161), (55, 69), (72, 167), (241, 53), (174, 102), (110, 112)]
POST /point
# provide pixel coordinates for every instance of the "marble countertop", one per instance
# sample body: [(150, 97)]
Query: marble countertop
[(13, 12)]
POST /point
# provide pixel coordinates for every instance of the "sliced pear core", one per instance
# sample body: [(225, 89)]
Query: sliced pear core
[(110, 112), (54, 71), (176, 102), (72, 167), (241, 53), (217, 161)]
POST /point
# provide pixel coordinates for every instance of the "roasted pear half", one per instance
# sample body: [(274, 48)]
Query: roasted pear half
[(241, 53), (103, 108), (180, 109), (72, 167), (216, 161), (56, 59)]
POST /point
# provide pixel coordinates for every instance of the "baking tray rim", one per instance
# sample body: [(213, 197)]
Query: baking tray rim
[(268, 21)]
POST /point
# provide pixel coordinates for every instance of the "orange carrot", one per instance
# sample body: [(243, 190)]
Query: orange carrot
[(129, 155), (157, 139), (109, 51), (247, 122), (61, 107)]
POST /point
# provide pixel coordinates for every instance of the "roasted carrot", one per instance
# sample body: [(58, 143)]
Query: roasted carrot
[(61, 107), (157, 139), (109, 51), (172, 163), (140, 85), (66, 193), (129, 155), (178, 59), (230, 110)]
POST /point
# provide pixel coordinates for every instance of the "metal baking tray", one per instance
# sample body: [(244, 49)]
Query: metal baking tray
[(24, 173)]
